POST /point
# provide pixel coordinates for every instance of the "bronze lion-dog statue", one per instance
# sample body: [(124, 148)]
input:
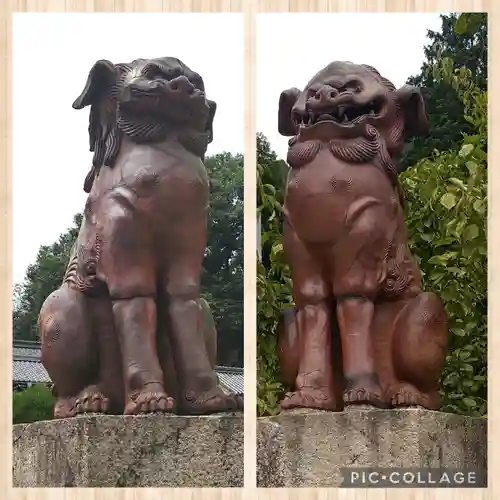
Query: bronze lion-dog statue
[(362, 330), (127, 331)]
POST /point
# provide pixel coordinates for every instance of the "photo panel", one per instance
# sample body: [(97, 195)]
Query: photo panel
[(128, 149), (372, 261)]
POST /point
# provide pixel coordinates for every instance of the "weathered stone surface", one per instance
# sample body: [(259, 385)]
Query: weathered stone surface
[(308, 448), (130, 451)]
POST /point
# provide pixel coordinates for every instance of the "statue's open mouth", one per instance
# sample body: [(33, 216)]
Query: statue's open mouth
[(346, 114)]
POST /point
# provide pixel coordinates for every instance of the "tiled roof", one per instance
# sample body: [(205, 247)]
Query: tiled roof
[(231, 378), (27, 367), (29, 371), (27, 353)]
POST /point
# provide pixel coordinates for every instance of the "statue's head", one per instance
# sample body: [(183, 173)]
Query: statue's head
[(145, 100), (344, 100)]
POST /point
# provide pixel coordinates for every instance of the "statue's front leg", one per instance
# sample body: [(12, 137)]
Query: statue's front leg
[(355, 316), (165, 353), (127, 265), (198, 388), (308, 359), (358, 270)]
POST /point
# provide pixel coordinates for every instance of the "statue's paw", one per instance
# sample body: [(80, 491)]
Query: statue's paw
[(211, 401), (91, 400), (405, 394), (64, 408), (151, 399), (308, 397), (363, 390)]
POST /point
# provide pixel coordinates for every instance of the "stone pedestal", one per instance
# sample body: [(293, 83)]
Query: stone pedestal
[(308, 448), (130, 451)]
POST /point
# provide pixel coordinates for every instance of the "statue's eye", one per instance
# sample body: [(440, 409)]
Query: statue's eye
[(152, 71), (198, 83), (353, 86), (313, 89)]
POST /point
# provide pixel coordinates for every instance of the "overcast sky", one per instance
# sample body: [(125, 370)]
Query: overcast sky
[(291, 48), (53, 54)]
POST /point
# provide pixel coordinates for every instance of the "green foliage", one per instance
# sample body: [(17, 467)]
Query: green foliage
[(446, 194), (273, 276), (222, 279), (447, 208), (32, 405)]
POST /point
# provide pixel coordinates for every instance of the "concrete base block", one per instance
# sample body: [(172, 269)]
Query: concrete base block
[(130, 451), (308, 448)]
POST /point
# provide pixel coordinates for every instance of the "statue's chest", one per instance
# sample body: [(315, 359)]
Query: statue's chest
[(151, 183), (325, 174), (320, 193), (149, 171)]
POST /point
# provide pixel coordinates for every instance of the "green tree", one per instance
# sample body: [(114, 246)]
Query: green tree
[(41, 279), (467, 48), (222, 280)]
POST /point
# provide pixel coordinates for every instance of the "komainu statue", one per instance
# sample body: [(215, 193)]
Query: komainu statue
[(362, 330), (127, 331)]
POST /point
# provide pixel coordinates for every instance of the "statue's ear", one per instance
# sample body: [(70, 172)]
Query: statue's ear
[(104, 138), (210, 120), (101, 75), (412, 103), (288, 98)]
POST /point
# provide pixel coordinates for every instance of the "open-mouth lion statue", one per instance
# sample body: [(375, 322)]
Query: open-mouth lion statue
[(362, 330), (127, 332)]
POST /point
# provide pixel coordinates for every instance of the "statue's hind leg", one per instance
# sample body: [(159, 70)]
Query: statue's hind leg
[(69, 353), (419, 345)]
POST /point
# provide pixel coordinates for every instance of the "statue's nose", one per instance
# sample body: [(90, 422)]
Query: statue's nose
[(323, 98)]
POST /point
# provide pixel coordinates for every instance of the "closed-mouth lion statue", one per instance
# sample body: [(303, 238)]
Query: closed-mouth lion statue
[(127, 331), (362, 330)]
